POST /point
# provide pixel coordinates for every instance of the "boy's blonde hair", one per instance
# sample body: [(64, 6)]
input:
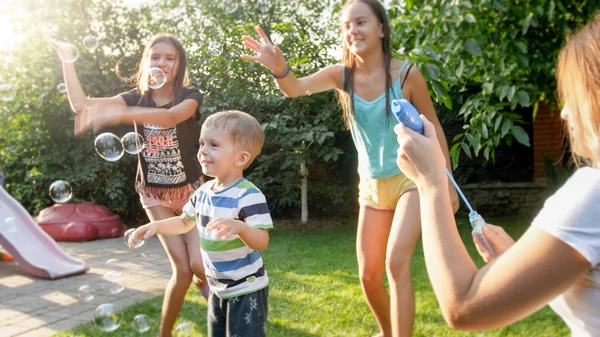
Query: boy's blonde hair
[(245, 131), (578, 75)]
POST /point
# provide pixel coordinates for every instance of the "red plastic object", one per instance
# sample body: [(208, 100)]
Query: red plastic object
[(6, 257), (80, 222)]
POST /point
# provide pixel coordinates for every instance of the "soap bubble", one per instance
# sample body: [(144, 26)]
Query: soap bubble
[(115, 266), (262, 6), (115, 273), (7, 93), (113, 287), (184, 329), (156, 78), (141, 323), (60, 191), (308, 93), (215, 48), (230, 6), (90, 43), (85, 293), (109, 147), (68, 53), (62, 88), (133, 143), (137, 243), (9, 225), (106, 318)]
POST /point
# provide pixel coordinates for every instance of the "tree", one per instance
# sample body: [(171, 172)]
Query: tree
[(488, 61)]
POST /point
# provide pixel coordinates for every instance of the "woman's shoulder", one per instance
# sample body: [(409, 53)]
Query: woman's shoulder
[(578, 195)]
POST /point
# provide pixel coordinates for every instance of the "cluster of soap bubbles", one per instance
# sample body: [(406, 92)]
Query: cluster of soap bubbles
[(111, 148), (68, 53), (106, 316)]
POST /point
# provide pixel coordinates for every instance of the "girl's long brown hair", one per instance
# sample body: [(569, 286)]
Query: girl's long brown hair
[(578, 76), (346, 94), (181, 80)]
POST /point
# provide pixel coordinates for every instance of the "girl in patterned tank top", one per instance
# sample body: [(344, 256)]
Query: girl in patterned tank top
[(168, 170)]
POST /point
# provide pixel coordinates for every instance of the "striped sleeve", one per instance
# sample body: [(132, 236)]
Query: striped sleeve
[(189, 210), (253, 209)]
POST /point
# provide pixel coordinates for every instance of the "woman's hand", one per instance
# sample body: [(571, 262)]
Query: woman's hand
[(420, 157), (498, 239), (265, 52)]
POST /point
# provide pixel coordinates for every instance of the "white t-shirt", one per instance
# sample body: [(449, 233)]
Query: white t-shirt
[(572, 215)]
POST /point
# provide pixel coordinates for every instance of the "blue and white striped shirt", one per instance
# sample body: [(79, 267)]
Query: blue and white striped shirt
[(232, 268)]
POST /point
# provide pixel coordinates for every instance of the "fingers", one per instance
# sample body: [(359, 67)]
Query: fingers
[(251, 43), (487, 256), (250, 57), (83, 120), (149, 233), (262, 34), (428, 128)]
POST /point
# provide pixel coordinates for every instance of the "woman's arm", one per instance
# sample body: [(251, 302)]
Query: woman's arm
[(418, 95), (272, 58), (528, 275)]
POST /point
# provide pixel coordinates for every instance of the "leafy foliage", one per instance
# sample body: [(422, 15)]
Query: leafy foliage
[(38, 146), (488, 62)]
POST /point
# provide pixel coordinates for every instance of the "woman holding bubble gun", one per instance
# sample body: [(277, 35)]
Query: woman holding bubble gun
[(366, 82), (557, 260), (168, 171)]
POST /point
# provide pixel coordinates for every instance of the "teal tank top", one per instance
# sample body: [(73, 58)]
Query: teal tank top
[(373, 133)]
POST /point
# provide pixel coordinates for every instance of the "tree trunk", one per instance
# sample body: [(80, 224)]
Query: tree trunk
[(304, 193)]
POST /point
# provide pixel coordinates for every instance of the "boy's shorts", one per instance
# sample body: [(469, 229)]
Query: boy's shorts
[(383, 194), (244, 315), (176, 204)]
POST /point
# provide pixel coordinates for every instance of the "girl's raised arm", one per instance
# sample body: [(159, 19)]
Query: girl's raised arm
[(272, 58), (78, 98)]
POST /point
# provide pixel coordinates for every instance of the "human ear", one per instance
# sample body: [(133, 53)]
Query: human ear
[(243, 158)]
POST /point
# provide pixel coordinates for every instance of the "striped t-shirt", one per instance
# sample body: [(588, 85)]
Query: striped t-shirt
[(232, 268)]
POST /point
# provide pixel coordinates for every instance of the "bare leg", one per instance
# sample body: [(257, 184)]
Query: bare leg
[(403, 238), (192, 240), (371, 242), (181, 278)]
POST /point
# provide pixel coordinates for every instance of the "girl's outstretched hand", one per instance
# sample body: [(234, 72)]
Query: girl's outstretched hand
[(98, 116), (51, 41), (265, 52)]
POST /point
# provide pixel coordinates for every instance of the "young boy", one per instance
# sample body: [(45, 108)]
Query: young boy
[(232, 217)]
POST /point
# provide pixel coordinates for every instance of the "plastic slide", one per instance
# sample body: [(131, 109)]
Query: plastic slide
[(35, 251)]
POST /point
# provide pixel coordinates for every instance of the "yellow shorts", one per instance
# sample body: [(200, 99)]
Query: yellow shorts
[(383, 194)]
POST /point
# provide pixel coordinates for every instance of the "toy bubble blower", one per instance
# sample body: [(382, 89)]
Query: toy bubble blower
[(408, 115)]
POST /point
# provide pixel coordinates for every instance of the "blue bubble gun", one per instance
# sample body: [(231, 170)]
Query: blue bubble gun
[(408, 116)]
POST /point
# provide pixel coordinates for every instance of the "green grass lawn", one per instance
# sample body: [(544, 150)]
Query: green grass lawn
[(315, 291)]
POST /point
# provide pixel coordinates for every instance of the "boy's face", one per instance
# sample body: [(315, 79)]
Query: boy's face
[(218, 154)]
